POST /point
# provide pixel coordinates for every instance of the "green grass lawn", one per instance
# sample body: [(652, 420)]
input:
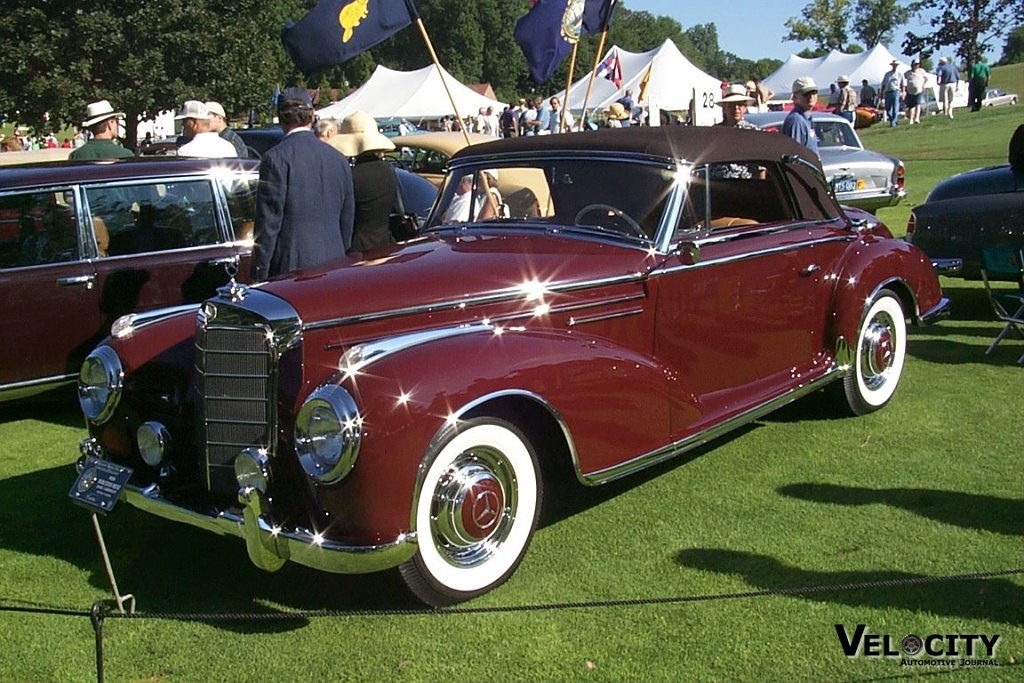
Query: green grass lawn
[(930, 486)]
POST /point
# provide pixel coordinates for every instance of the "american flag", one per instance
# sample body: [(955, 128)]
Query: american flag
[(611, 68)]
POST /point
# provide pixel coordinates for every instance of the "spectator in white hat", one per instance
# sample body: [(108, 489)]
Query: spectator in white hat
[(102, 121), (204, 142), (797, 124), (219, 125), (734, 103)]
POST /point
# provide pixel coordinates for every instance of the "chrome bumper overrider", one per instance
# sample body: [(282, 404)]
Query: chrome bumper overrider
[(269, 546)]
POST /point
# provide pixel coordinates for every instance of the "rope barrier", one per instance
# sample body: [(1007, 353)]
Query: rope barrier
[(101, 609)]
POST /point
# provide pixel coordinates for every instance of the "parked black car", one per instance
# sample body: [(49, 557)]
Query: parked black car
[(980, 208)]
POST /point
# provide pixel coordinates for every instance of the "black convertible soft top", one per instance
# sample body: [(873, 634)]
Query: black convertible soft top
[(697, 144)]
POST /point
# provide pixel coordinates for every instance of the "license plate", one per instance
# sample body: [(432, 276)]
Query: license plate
[(100, 484), (845, 185)]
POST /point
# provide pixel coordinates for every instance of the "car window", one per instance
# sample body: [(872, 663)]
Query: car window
[(729, 195), (240, 193), (835, 134), (150, 217), (607, 196), (37, 228)]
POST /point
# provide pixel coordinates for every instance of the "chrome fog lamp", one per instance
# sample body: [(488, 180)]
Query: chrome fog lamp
[(328, 431), (252, 469), (153, 440), (99, 384)]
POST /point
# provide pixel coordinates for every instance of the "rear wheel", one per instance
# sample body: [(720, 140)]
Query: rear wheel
[(477, 508), (879, 356)]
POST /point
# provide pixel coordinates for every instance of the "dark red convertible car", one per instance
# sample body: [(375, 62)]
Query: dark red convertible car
[(661, 287)]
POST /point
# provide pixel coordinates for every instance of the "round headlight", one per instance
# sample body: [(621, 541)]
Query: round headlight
[(99, 384), (153, 440), (328, 430)]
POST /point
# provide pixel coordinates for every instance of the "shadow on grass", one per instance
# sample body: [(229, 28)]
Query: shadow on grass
[(970, 511), (57, 406), (174, 568), (989, 599), (565, 497)]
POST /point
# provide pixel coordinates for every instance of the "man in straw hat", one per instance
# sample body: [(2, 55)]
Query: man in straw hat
[(374, 184), (102, 122), (797, 124), (304, 204), (734, 105), (847, 105), (615, 114), (893, 87)]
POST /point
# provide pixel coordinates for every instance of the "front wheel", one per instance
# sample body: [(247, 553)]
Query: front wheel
[(476, 509), (880, 353)]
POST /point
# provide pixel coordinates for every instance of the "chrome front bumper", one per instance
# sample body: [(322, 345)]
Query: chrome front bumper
[(270, 546)]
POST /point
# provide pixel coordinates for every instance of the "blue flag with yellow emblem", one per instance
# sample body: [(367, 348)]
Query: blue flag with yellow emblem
[(335, 31), (549, 30)]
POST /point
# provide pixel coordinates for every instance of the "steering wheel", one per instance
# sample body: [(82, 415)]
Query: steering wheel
[(617, 213)]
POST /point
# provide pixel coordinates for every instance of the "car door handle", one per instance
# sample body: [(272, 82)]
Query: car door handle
[(87, 280), (809, 270), (227, 260)]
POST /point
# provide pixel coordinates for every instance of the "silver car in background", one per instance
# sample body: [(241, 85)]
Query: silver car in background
[(859, 177)]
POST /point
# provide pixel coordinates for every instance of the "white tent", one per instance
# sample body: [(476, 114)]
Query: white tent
[(415, 95), (672, 83), (870, 65)]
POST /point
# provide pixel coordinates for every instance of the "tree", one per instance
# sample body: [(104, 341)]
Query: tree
[(968, 25), (1013, 50), (143, 56), (875, 21), (823, 23)]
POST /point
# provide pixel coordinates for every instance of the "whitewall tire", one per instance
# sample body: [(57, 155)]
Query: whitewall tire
[(476, 510), (879, 355)]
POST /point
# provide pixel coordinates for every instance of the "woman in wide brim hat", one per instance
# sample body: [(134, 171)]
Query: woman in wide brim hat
[(358, 134)]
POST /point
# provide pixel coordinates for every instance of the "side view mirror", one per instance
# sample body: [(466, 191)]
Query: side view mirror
[(688, 253)]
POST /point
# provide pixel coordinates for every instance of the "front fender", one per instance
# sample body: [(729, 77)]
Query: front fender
[(612, 403)]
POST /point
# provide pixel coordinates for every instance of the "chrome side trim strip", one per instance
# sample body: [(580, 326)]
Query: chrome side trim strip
[(599, 317), (361, 355), (751, 254), (127, 324), (501, 296), (654, 457), (302, 546)]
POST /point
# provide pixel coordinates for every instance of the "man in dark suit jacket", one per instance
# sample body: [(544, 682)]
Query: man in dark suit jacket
[(304, 204)]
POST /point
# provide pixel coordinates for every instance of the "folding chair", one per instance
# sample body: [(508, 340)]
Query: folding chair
[(1004, 263)]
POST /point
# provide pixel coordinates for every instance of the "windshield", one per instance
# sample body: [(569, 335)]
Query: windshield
[(623, 198)]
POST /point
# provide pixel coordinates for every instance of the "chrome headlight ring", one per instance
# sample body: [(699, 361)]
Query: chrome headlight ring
[(100, 382), (328, 432)]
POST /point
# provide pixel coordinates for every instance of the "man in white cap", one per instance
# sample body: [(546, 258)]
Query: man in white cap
[(947, 77), (734, 104), (203, 142), (797, 124), (219, 125), (102, 121)]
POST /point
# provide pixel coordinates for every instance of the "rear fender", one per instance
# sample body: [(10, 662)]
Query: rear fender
[(877, 264)]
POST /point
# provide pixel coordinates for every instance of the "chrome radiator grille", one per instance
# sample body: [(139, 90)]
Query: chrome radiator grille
[(234, 370)]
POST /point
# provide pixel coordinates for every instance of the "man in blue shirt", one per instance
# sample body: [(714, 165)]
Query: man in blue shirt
[(947, 77), (798, 122)]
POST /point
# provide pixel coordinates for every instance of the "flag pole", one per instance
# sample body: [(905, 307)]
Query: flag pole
[(444, 81), (565, 103), (462, 123), (597, 57), (593, 73)]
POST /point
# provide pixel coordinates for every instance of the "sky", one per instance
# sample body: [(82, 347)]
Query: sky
[(750, 29)]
